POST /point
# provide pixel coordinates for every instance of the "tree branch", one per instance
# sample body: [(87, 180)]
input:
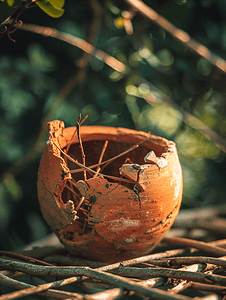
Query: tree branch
[(179, 34), (77, 42)]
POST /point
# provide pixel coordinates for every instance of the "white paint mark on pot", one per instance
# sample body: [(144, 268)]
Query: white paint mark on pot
[(122, 224)]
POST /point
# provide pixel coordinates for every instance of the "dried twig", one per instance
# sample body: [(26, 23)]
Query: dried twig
[(180, 287), (188, 260), (107, 162), (214, 250), (101, 157), (73, 135), (37, 289), (77, 42), (110, 278), (119, 271), (179, 34), (81, 146), (201, 50), (24, 258), (19, 285), (208, 288), (90, 170), (97, 274)]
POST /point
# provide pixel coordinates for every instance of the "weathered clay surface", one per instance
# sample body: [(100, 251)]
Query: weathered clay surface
[(50, 184), (123, 219)]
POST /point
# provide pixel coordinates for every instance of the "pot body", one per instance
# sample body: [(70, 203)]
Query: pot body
[(128, 211)]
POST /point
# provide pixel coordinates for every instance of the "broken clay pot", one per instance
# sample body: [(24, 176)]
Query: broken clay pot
[(118, 199)]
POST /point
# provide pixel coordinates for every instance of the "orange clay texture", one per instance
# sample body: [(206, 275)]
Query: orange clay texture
[(118, 207)]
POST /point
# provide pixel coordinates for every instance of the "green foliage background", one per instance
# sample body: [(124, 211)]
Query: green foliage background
[(35, 69)]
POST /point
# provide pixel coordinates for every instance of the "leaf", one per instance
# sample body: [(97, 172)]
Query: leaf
[(49, 9), (58, 4), (10, 2)]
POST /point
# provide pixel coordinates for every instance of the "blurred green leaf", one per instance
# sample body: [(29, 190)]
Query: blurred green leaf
[(54, 11), (12, 186), (58, 4), (10, 2)]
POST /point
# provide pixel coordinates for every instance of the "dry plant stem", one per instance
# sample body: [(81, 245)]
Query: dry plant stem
[(108, 295), (30, 290), (184, 283), (179, 34), (214, 250), (77, 42), (79, 204), (208, 288), (73, 135), (81, 146), (18, 285), (97, 274), (173, 273), (218, 243), (189, 260), (90, 170), (101, 157), (24, 258), (128, 16), (209, 297), (16, 23), (152, 281), (110, 278), (105, 163), (180, 287), (138, 260), (76, 162), (72, 190)]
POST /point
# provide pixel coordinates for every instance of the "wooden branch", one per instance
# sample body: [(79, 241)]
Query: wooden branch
[(19, 285), (214, 250), (122, 272), (188, 260), (77, 42), (24, 258), (83, 271), (180, 287), (178, 34), (62, 272), (208, 288)]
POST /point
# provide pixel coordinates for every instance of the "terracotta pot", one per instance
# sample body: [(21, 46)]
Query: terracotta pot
[(115, 210)]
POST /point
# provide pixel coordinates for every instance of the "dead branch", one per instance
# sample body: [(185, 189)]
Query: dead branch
[(208, 288), (19, 285), (188, 260), (63, 272), (99, 278), (180, 287), (77, 42), (83, 271), (178, 34), (23, 258), (214, 250)]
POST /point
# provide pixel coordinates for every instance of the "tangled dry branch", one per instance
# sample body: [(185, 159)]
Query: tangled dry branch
[(176, 269)]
